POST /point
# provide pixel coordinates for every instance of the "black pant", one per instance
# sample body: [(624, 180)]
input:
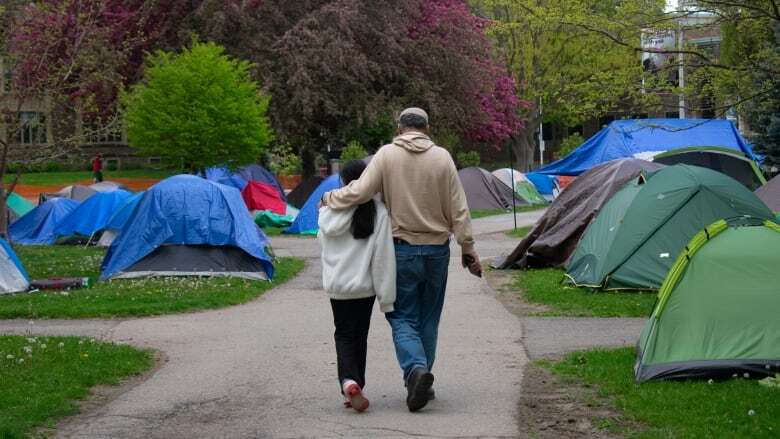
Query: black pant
[(352, 319)]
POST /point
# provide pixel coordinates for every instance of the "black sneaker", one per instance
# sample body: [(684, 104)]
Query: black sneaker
[(431, 394), (418, 387)]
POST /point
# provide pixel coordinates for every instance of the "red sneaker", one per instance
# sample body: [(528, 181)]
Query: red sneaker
[(355, 397)]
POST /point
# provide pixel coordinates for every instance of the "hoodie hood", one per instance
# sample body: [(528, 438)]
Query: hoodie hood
[(335, 223), (414, 142)]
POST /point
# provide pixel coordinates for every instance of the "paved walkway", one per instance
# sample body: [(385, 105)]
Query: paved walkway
[(267, 368)]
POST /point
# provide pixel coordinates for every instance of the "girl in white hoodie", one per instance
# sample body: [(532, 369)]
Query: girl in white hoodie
[(358, 264)]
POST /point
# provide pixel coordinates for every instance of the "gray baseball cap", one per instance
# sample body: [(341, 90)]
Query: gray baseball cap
[(416, 111)]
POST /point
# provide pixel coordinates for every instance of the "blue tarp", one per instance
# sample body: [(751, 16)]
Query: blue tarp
[(545, 184), (122, 214), (234, 181), (37, 226), (644, 138), (186, 209), (307, 220), (93, 214), (243, 175)]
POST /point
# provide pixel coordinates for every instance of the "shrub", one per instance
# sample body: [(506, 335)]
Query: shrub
[(569, 144), (468, 159), (353, 151)]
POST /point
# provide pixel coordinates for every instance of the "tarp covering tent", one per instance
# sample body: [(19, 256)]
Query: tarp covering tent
[(645, 138), (186, 225), (717, 311), (303, 191), (108, 186), (556, 234), (547, 185), (266, 218), (732, 163), (235, 181), (18, 206), (637, 235), (247, 174), (37, 227), (263, 196), (259, 174), (307, 221), (119, 219), (485, 191), (522, 186), (13, 277), (76, 192), (92, 215), (770, 194)]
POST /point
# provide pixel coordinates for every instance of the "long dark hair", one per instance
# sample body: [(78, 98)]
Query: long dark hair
[(365, 215)]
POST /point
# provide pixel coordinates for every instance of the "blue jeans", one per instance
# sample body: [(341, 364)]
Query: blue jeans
[(420, 284)]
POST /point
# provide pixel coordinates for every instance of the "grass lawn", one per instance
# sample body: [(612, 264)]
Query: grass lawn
[(43, 377), (70, 177), (675, 409), (545, 287), (481, 213), (519, 232), (125, 297)]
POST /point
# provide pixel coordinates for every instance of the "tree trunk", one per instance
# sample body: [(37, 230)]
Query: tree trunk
[(308, 166), (3, 213), (524, 147)]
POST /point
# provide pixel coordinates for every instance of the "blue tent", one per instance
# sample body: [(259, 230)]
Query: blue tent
[(13, 277), (92, 215), (122, 214), (183, 221), (307, 221), (646, 138), (235, 181), (37, 226), (245, 174), (545, 184)]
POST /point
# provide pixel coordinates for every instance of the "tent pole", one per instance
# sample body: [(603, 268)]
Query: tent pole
[(512, 182)]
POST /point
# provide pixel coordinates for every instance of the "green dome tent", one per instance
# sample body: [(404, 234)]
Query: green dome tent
[(717, 311), (636, 237)]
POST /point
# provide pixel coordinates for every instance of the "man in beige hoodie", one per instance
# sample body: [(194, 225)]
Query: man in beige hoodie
[(420, 187)]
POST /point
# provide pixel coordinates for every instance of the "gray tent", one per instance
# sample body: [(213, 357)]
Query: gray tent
[(728, 162), (108, 186), (770, 194), (556, 234), (485, 191), (75, 192)]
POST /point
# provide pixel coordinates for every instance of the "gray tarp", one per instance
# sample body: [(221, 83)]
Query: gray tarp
[(75, 192), (485, 191), (556, 234), (738, 167), (770, 194)]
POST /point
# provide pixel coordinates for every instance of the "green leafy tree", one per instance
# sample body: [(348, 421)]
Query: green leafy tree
[(200, 107), (353, 151), (569, 144), (467, 159), (565, 71)]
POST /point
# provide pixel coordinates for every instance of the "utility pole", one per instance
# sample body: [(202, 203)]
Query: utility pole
[(681, 67)]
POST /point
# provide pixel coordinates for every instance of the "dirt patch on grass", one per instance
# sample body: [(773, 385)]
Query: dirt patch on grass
[(551, 408), (502, 282)]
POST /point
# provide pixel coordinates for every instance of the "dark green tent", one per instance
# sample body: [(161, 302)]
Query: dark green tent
[(636, 237), (717, 311)]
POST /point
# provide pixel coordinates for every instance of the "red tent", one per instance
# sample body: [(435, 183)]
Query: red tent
[(262, 196)]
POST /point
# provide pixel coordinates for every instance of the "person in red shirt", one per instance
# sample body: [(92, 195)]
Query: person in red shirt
[(97, 168)]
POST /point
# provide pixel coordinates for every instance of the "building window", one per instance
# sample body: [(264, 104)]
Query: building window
[(96, 132), (32, 128)]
